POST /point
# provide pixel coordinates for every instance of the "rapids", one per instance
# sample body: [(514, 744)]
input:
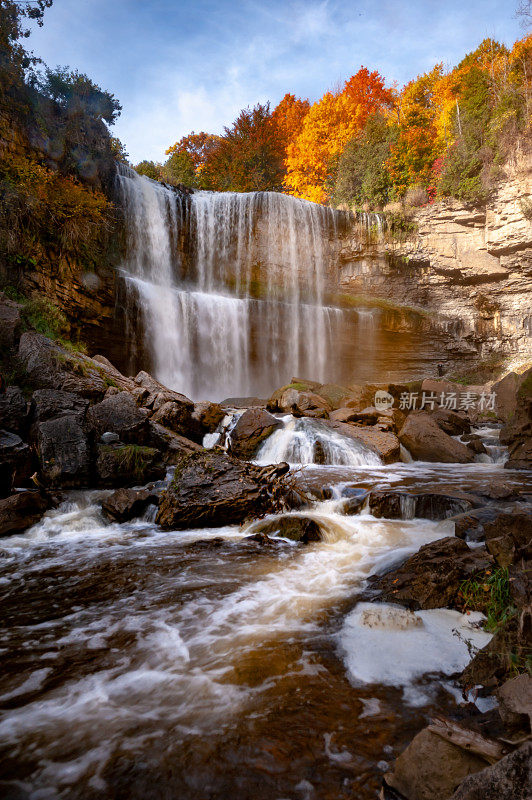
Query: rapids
[(142, 663)]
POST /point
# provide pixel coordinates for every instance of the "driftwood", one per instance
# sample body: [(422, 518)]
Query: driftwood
[(490, 749)]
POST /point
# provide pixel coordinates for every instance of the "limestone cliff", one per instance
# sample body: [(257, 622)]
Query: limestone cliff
[(469, 267)]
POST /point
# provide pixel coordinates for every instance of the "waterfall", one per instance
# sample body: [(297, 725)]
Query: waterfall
[(307, 441), (239, 308)]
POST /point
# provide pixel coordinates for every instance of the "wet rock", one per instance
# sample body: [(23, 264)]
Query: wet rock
[(455, 423), (64, 451), (124, 465), (52, 403), (494, 663), (159, 394), (432, 767), (508, 779), (426, 441), (403, 505), (344, 415), (432, 577), (291, 526), (20, 511), (294, 399), (14, 411), (470, 525), (10, 323), (252, 428), (517, 433), (50, 366), (509, 538), (384, 443), (505, 392), (126, 504), (500, 490), (355, 498), (213, 488), (515, 703), (119, 414), (176, 416), (16, 462), (171, 445), (477, 446), (207, 416)]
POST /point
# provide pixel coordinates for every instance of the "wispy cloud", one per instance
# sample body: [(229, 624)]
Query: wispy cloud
[(193, 64)]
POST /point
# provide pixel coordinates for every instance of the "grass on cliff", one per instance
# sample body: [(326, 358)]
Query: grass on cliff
[(489, 594), (41, 315)]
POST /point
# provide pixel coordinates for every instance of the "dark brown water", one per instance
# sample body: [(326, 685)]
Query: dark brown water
[(143, 664)]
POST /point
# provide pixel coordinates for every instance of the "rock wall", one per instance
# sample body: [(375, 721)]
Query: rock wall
[(469, 268)]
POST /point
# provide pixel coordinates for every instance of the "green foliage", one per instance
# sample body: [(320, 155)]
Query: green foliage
[(399, 225), (148, 168), (491, 596), (362, 175), (42, 315), (179, 168)]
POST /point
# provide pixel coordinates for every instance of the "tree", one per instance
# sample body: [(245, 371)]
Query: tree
[(327, 127), (187, 159), (362, 172), (248, 156), (149, 168)]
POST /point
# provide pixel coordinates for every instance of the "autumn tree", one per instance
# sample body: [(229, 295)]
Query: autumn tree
[(249, 154), (148, 168), (327, 127)]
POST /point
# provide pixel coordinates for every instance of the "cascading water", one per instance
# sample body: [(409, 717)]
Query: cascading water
[(244, 309), (305, 441)]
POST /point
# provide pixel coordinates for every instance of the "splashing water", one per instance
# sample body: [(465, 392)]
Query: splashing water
[(306, 441)]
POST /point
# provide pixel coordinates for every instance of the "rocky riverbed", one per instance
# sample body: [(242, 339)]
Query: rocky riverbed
[(278, 598)]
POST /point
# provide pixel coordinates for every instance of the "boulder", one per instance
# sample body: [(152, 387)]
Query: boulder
[(171, 445), (290, 526), (517, 433), (455, 423), (16, 462), (515, 702), (21, 510), (10, 323), (207, 416), (159, 394), (252, 428), (509, 538), (333, 393), (508, 779), (50, 366), (213, 488), (243, 402), (432, 768), (52, 403), (403, 505), (426, 441), (505, 392), (175, 416), (470, 525), (64, 451), (495, 663), (120, 414), (295, 399), (384, 443), (126, 504), (432, 577), (124, 465), (14, 411)]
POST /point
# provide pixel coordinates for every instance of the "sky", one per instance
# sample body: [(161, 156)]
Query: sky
[(183, 65)]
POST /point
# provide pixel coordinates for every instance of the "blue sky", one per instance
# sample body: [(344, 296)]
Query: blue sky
[(185, 65)]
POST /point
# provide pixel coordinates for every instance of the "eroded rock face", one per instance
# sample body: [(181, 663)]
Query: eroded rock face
[(119, 414), (252, 428), (431, 768), (13, 411), (212, 488), (508, 779), (291, 526), (126, 504), (400, 505), (64, 451), (20, 511), (10, 323), (51, 403), (426, 441), (16, 462), (432, 577), (517, 433)]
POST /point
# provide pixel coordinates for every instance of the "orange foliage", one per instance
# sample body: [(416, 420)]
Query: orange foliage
[(327, 127)]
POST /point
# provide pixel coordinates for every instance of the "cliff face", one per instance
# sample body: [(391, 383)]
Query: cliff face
[(470, 268)]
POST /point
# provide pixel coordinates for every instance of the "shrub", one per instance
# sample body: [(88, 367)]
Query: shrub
[(491, 596), (416, 197)]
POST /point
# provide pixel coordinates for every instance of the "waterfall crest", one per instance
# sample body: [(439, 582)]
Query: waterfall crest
[(240, 307)]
